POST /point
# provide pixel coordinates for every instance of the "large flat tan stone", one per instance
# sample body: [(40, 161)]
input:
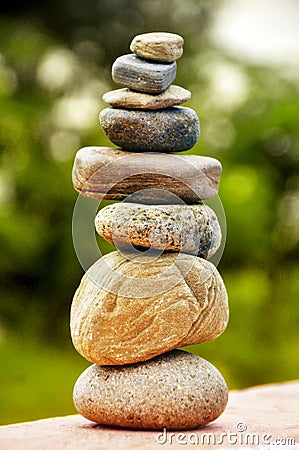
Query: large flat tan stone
[(271, 409), (113, 174)]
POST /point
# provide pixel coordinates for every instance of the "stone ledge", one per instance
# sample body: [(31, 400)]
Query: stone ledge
[(270, 409)]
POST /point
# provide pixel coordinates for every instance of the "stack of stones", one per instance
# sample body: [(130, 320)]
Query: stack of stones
[(157, 292)]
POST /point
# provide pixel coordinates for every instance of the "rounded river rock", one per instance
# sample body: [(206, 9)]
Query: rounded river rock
[(176, 390), (168, 130), (158, 46), (142, 75), (188, 228), (126, 98), (130, 310)]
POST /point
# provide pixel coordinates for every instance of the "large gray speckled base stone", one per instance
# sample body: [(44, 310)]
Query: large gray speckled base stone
[(187, 228), (168, 130), (142, 75), (177, 390)]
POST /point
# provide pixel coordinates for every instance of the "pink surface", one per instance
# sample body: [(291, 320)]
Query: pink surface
[(267, 412)]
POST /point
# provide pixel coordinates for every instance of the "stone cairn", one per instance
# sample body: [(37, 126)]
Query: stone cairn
[(157, 292)]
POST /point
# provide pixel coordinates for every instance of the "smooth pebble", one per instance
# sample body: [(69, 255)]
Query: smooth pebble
[(190, 229), (114, 174), (142, 75), (177, 390), (158, 46), (173, 129), (129, 310), (126, 98)]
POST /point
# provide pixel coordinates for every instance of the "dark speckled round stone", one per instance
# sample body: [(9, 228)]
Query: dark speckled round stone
[(176, 390), (169, 130), (143, 75)]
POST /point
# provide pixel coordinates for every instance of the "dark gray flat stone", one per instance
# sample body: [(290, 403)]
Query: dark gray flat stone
[(143, 75)]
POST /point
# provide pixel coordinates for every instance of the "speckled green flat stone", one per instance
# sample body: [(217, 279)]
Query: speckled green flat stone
[(187, 228), (142, 75), (176, 390), (168, 130), (126, 98)]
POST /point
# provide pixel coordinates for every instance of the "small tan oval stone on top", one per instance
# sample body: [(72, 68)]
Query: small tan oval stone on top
[(159, 46), (177, 390), (126, 311)]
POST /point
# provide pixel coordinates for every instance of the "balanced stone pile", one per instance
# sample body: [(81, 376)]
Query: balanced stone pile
[(157, 292)]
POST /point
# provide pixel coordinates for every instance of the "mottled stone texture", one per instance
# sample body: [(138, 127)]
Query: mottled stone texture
[(191, 229), (126, 98), (158, 46), (142, 75), (126, 311), (172, 129), (177, 390), (110, 173), (168, 130)]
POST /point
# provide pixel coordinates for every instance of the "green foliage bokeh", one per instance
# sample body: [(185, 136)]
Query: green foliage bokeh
[(54, 66)]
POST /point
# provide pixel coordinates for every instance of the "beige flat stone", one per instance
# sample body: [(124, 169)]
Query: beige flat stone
[(269, 413), (126, 311), (111, 173), (176, 390), (125, 98), (191, 229), (159, 46)]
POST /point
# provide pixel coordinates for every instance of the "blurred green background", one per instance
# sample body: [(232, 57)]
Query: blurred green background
[(55, 61)]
